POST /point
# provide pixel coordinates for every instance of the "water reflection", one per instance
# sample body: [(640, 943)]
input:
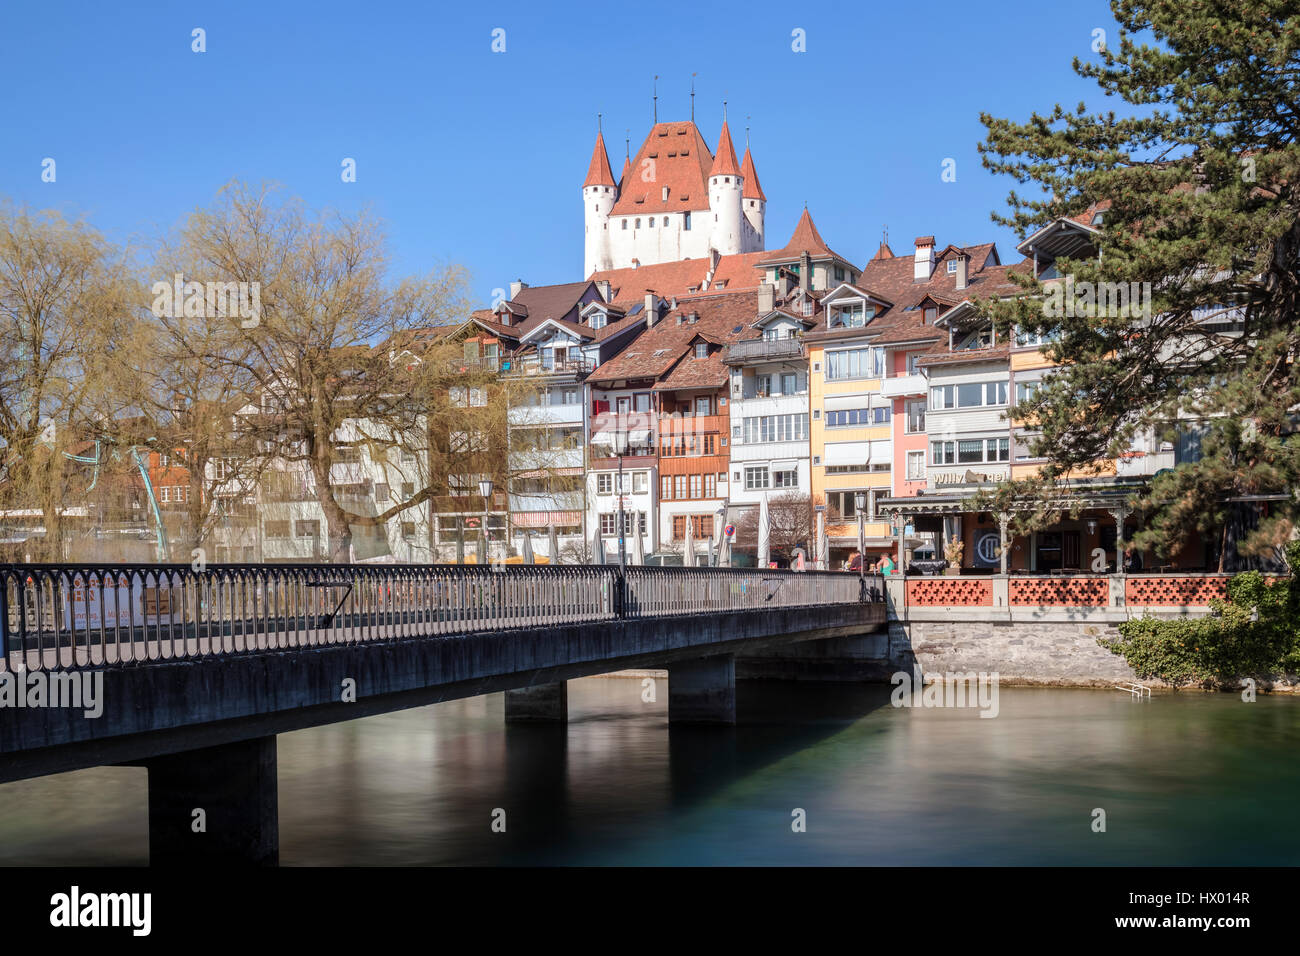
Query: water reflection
[(1186, 779)]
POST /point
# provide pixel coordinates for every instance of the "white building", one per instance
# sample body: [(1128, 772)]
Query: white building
[(675, 200)]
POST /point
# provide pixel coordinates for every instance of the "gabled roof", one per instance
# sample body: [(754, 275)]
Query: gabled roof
[(543, 302), (807, 239), (724, 164), (682, 278), (752, 189), (599, 173), (680, 161), (658, 350)]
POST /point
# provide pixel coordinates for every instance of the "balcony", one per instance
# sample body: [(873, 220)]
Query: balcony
[(534, 365), (546, 415), (901, 386), (763, 350)]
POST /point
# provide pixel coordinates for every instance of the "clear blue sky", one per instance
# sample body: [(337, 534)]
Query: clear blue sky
[(478, 157)]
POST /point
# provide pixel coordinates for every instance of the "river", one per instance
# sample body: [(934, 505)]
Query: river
[(1183, 779)]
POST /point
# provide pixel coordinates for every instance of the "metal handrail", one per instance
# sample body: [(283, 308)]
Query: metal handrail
[(115, 615)]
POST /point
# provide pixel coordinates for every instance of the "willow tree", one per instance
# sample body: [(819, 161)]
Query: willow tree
[(64, 299), (327, 383), (1197, 177)]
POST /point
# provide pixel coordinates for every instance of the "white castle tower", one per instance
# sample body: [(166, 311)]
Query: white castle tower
[(674, 201), (599, 192)]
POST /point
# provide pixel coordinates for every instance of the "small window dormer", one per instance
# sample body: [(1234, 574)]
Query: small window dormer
[(701, 350), (598, 319)]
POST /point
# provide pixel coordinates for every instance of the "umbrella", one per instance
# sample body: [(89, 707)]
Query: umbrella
[(460, 545), (597, 549), (638, 549), (528, 548), (553, 543), (764, 533), (481, 548), (823, 544), (688, 547), (799, 563), (713, 554)]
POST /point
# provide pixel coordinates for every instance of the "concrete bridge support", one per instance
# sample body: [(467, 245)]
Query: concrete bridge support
[(215, 806), (540, 702), (702, 691)]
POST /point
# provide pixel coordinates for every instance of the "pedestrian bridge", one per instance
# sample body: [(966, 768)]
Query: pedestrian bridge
[(192, 672)]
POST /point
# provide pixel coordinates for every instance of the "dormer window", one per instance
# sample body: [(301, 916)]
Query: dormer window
[(701, 350), (598, 320), (931, 314), (952, 266)]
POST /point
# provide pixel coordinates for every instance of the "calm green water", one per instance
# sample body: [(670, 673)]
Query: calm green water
[(1184, 779)]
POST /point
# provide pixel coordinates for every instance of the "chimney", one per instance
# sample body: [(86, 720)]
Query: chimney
[(805, 271), (651, 309), (516, 287), (766, 298), (963, 263), (606, 290), (923, 263)]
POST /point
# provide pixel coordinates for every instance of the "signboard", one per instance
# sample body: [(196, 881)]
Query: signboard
[(987, 544), (729, 530), (118, 599)]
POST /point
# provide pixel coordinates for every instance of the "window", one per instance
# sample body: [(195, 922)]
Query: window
[(608, 522), (855, 363), (624, 223), (459, 396), (604, 483), (408, 490), (915, 416), (842, 418), (276, 529), (839, 273), (665, 488), (1025, 391), (766, 428), (381, 492), (640, 482), (665, 218), (307, 529), (696, 485), (597, 320), (916, 466), (679, 486), (789, 383), (785, 479), (1027, 337), (763, 385), (756, 478), (408, 530), (952, 266), (651, 222), (701, 350), (968, 395), (686, 221), (710, 485), (970, 451), (931, 314)]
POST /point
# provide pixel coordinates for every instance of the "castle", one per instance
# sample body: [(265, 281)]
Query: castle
[(675, 200)]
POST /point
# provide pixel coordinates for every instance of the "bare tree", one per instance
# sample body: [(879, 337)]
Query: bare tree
[(64, 298), (336, 357), (791, 525)]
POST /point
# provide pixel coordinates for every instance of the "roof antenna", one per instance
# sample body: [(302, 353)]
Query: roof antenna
[(692, 97), (747, 131), (885, 238), (627, 146), (656, 97)]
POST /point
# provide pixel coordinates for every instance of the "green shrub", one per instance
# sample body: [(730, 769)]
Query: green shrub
[(1255, 631)]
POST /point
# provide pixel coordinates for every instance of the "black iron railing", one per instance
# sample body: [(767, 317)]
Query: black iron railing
[(55, 616)]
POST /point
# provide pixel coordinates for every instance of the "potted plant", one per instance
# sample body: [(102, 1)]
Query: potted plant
[(952, 552)]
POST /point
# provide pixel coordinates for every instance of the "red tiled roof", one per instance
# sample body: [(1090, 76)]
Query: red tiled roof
[(599, 173), (666, 279), (805, 238), (719, 317), (884, 252), (673, 156), (752, 188), (724, 164)]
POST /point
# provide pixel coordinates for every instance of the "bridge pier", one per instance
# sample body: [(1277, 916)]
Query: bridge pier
[(540, 702), (234, 785), (702, 691)]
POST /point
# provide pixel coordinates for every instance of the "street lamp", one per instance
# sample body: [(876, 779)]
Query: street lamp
[(485, 489), (620, 435), (860, 506)]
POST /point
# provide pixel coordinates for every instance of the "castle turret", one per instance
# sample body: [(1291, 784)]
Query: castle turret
[(599, 193), (726, 184), (755, 204)]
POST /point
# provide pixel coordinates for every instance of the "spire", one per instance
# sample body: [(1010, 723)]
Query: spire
[(752, 189), (599, 173), (724, 163)]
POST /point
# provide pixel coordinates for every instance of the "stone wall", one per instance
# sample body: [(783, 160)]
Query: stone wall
[(1056, 654)]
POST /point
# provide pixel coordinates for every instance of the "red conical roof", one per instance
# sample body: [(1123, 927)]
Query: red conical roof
[(599, 173), (724, 162), (752, 189), (627, 171)]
